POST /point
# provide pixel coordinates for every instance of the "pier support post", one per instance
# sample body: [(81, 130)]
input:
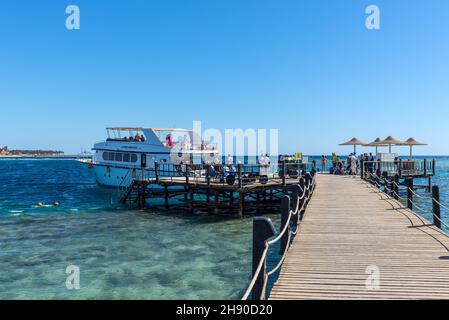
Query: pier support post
[(263, 229), (241, 203), (385, 181), (429, 184), (216, 201), (436, 206), (192, 199), (409, 184), (156, 171), (185, 195), (141, 195), (208, 197), (208, 168), (308, 181), (295, 200), (391, 185), (258, 202), (302, 184), (166, 197), (285, 213)]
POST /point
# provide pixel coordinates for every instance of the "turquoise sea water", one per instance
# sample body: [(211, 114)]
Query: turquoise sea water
[(121, 253)]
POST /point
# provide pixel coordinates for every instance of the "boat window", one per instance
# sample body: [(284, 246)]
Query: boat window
[(118, 156)]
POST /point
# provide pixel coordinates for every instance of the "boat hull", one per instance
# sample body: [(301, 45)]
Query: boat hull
[(115, 177)]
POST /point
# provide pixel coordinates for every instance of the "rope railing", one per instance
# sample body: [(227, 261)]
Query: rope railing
[(264, 236), (374, 179)]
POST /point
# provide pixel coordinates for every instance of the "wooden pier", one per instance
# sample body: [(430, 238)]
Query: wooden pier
[(356, 241), (193, 187)]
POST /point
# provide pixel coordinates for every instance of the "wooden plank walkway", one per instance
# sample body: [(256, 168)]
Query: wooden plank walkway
[(348, 231)]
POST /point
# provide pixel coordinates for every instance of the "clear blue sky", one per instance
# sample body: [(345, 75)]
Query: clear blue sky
[(309, 68)]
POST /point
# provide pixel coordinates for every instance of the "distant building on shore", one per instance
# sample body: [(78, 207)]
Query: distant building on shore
[(4, 151)]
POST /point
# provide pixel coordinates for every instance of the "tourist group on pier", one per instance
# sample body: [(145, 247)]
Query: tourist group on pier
[(351, 165)]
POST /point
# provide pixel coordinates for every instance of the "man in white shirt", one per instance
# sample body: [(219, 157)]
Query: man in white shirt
[(229, 160)]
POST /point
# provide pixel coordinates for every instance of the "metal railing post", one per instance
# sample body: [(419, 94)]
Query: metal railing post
[(436, 206), (263, 229)]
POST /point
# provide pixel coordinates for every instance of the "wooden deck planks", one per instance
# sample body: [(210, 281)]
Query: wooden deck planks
[(348, 227)]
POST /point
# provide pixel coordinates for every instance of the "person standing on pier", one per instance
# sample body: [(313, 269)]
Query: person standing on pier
[(264, 164), (352, 164), (229, 160), (334, 160), (323, 163)]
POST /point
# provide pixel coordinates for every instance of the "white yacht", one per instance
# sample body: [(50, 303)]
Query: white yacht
[(130, 153)]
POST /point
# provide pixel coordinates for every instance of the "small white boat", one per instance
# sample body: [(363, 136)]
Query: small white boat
[(130, 153)]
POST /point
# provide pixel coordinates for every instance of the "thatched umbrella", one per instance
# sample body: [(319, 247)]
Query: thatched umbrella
[(353, 142), (389, 141), (376, 143), (412, 142)]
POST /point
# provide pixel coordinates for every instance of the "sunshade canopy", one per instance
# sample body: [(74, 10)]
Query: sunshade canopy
[(413, 142), (390, 141), (376, 143), (352, 142)]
